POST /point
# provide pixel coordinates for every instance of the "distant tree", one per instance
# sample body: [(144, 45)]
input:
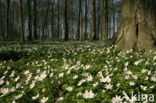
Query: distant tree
[(93, 20), (21, 20), (66, 20), (58, 18), (86, 19), (52, 18), (105, 34), (46, 19), (80, 19), (35, 21), (7, 18), (29, 20)]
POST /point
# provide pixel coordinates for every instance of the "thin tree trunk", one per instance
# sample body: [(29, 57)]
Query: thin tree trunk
[(30, 21), (113, 16), (86, 20), (99, 20), (93, 20), (7, 18), (52, 19), (35, 21), (81, 25), (21, 20), (72, 6), (105, 34), (66, 21), (45, 20), (58, 19)]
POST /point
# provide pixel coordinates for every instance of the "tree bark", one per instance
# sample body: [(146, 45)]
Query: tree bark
[(21, 20), (81, 25), (58, 19), (29, 21), (35, 19), (137, 25), (86, 20), (7, 18), (52, 19), (46, 19), (105, 34), (66, 21), (93, 20)]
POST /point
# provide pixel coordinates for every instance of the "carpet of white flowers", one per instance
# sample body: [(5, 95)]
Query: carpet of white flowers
[(74, 72)]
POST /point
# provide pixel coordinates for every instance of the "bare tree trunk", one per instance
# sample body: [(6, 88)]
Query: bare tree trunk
[(113, 16), (66, 20), (45, 20), (105, 34), (58, 19), (52, 19), (99, 19), (72, 6), (35, 19), (137, 25), (93, 20), (86, 20), (81, 25), (30, 21), (7, 18), (21, 20)]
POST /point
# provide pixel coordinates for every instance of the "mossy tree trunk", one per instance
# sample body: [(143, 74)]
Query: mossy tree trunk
[(137, 25)]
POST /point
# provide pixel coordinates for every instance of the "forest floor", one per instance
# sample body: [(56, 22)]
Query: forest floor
[(74, 72)]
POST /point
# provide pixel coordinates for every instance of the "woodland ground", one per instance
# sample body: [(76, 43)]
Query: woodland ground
[(74, 72)]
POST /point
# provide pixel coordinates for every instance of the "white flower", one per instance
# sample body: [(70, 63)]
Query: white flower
[(154, 58), (143, 70), (107, 79), (44, 99), (135, 77), (69, 89), (109, 86), (126, 64), (81, 81), (118, 85), (68, 72), (95, 84), (26, 72), (61, 75), (88, 94), (117, 99), (19, 96), (16, 79), (153, 78), (60, 99), (75, 76), (12, 74), (42, 76), (32, 85), (13, 101), (12, 89), (51, 74), (79, 94), (129, 72), (35, 97), (131, 83), (1, 81), (143, 87), (137, 62), (89, 78), (127, 77), (4, 91)]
